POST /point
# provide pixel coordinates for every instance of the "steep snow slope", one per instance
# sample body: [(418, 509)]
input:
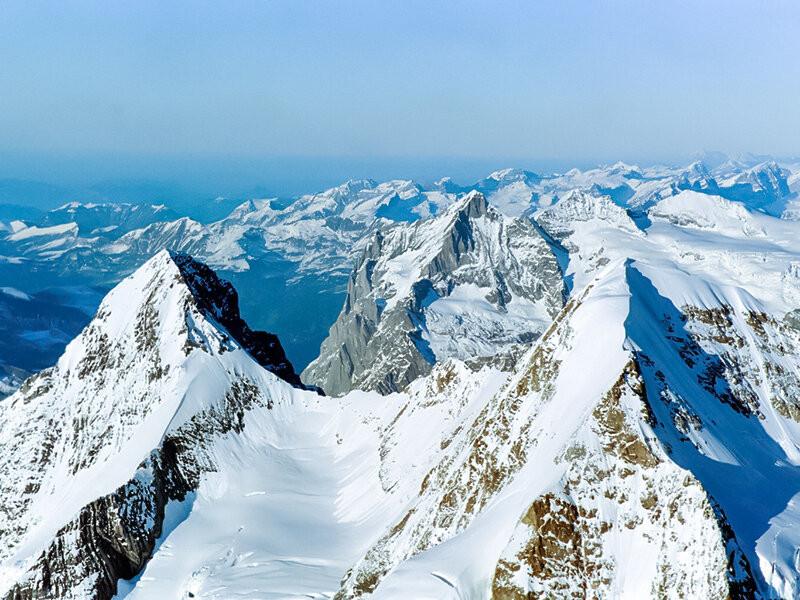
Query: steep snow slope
[(162, 430), (560, 487), (322, 492), (470, 283), (714, 313), (166, 347), (582, 473), (725, 382), (716, 239)]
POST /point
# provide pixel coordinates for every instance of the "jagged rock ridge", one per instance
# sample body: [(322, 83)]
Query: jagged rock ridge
[(469, 284), (219, 300)]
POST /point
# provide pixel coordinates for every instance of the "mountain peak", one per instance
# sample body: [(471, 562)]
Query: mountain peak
[(626, 170), (581, 209), (218, 299), (350, 187), (166, 364), (468, 284), (513, 174), (160, 307), (473, 205)]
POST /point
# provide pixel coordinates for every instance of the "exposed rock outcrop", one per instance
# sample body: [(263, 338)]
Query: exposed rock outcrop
[(219, 300), (469, 284)]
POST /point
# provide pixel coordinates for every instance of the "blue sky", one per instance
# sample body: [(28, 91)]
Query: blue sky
[(125, 87)]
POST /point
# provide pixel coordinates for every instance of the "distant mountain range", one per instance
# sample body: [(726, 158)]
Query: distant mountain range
[(557, 386), (291, 259)]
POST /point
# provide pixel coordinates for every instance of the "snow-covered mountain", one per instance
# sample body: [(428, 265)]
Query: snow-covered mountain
[(300, 252), (469, 284), (94, 448), (641, 440), (107, 219)]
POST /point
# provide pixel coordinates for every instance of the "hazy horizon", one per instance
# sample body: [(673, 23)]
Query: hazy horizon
[(48, 181), (280, 98)]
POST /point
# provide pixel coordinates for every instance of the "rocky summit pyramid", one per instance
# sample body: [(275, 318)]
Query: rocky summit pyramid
[(469, 284), (639, 438)]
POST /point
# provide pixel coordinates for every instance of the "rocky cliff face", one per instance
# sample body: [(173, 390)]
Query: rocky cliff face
[(470, 283), (218, 300)]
